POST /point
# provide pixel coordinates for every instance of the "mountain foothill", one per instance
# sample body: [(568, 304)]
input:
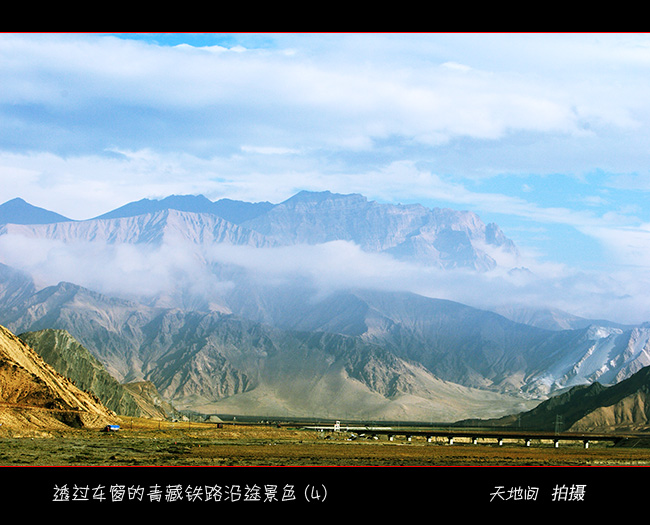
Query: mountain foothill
[(292, 310)]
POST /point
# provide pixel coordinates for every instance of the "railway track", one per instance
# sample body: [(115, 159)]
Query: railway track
[(476, 435)]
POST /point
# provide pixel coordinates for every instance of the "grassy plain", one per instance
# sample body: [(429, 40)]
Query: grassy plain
[(152, 443)]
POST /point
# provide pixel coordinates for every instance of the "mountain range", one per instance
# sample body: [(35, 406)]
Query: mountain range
[(228, 307), (442, 237)]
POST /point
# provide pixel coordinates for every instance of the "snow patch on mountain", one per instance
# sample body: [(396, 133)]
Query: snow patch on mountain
[(603, 354)]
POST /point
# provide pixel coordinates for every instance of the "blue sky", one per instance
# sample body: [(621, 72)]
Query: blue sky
[(546, 134)]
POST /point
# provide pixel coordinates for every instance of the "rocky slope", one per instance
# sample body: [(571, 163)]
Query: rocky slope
[(33, 396), (149, 400), (623, 406), (593, 407), (441, 237), (459, 343)]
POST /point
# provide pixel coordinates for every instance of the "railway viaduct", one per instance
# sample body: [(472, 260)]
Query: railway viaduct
[(474, 435)]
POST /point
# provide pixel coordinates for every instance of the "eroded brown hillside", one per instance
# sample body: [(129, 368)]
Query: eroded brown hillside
[(36, 398)]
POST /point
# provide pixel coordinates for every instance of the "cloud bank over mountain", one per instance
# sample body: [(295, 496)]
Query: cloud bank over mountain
[(171, 255)]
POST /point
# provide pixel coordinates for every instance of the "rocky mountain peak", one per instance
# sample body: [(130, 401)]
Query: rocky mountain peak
[(193, 203), (318, 198)]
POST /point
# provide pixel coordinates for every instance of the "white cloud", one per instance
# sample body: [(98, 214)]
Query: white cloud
[(340, 265), (76, 93), (120, 269), (190, 98), (269, 150)]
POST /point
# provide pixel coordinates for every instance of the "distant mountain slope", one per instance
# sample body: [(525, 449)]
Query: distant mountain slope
[(441, 237), (15, 286), (153, 228), (453, 341), (59, 349), (33, 396), (17, 211), (551, 318), (212, 362), (596, 353), (459, 343)]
